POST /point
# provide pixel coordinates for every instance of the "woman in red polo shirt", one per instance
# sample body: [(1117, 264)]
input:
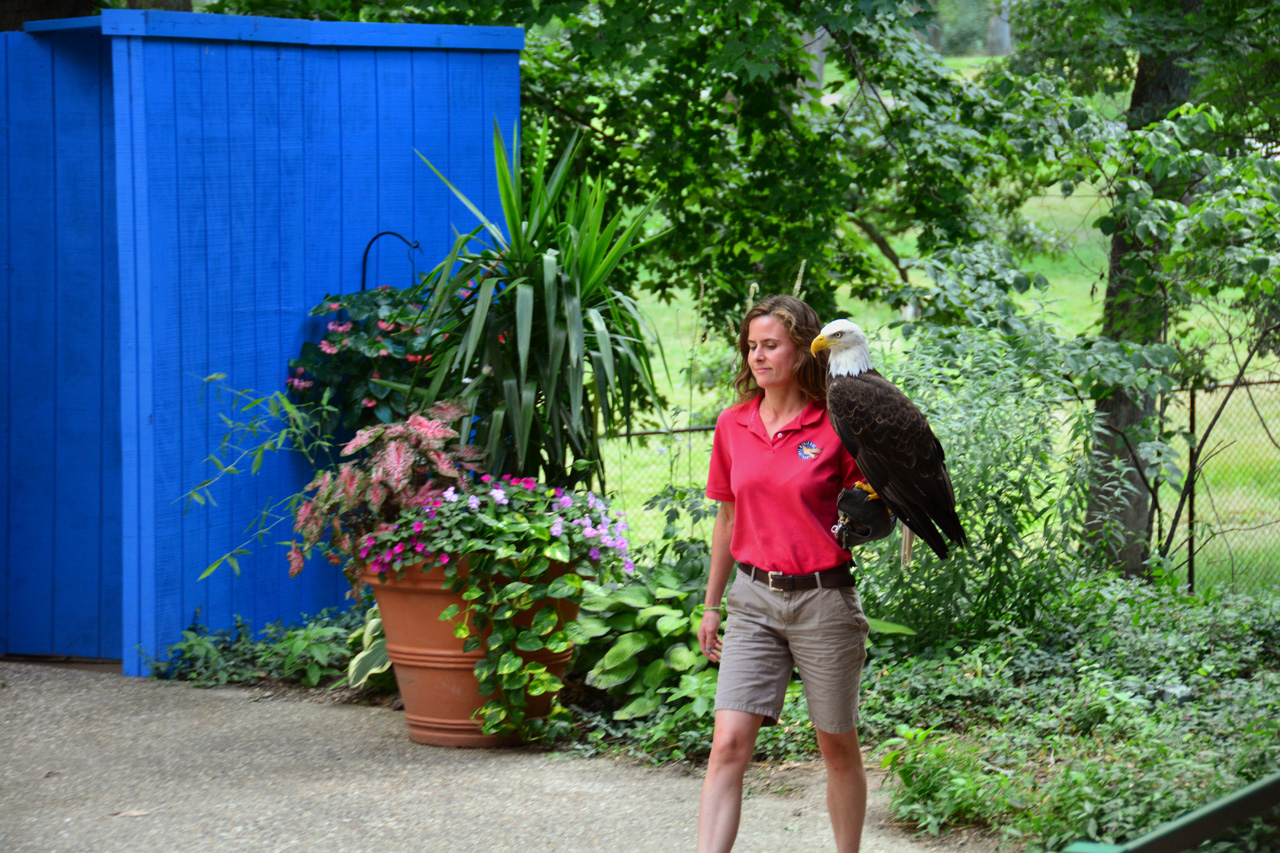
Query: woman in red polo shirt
[(777, 469)]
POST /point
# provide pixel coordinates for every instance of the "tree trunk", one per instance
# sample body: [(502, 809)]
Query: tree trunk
[(14, 13), (1128, 314), (163, 5), (999, 42)]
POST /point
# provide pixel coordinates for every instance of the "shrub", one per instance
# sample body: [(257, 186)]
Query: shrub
[(1125, 705), (994, 398)]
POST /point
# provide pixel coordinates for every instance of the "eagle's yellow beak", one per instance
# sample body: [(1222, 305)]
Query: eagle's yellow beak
[(819, 344)]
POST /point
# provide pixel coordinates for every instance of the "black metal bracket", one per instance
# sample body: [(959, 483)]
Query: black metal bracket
[(364, 263)]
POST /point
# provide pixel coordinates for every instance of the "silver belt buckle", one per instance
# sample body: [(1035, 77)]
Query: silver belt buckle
[(773, 575)]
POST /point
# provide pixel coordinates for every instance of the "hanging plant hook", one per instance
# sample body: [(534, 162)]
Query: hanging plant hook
[(364, 263)]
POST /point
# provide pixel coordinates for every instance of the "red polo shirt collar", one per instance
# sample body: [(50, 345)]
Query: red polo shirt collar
[(749, 416)]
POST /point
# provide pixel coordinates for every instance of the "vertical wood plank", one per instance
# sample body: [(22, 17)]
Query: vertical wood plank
[(166, 207), (469, 138), (396, 170), (502, 100), (76, 325), (431, 110), (296, 595), (109, 544), (6, 341), (241, 311), (137, 537), (259, 590), (322, 162), (195, 439), (219, 340), (32, 387), (358, 127)]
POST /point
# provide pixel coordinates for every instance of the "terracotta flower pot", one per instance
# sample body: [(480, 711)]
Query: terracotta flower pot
[(436, 677)]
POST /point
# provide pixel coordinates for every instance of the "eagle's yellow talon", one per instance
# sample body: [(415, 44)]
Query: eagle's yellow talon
[(866, 487)]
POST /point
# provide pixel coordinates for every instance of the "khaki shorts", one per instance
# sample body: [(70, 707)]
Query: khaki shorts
[(820, 632)]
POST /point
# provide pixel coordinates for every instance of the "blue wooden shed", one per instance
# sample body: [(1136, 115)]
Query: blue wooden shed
[(178, 190)]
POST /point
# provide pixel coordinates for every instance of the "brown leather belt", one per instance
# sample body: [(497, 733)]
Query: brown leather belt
[(780, 582)]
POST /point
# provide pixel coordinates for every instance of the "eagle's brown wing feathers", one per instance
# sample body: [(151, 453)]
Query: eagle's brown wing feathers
[(898, 453)]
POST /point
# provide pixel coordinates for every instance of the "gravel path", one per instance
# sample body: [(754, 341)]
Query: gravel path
[(94, 761)]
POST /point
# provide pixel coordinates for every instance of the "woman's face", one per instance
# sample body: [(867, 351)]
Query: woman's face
[(770, 353)]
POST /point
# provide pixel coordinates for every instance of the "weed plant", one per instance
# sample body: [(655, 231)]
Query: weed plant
[(313, 651)]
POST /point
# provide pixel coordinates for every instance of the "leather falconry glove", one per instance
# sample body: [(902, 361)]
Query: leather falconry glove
[(863, 518)]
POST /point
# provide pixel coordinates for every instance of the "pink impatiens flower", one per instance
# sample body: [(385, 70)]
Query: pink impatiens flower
[(328, 348)]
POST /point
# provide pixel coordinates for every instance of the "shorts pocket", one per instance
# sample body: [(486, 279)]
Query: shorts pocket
[(853, 607)]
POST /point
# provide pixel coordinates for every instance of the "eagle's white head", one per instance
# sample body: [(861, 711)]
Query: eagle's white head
[(848, 348)]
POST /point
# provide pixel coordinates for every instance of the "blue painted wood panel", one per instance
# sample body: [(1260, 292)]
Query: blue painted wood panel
[(6, 336), (186, 197), (59, 457)]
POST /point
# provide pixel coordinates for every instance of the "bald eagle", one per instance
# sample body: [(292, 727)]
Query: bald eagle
[(890, 440)]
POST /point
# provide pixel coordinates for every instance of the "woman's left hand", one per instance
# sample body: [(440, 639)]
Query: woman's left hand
[(709, 634)]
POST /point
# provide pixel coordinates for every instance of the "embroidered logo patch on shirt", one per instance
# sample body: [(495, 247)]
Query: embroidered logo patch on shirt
[(808, 450)]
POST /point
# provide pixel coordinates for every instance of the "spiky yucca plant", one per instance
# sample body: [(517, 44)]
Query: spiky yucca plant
[(522, 323)]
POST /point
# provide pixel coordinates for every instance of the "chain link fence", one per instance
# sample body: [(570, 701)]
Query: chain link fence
[(1226, 535)]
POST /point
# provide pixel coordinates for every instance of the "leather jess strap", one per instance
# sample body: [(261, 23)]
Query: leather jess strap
[(780, 582)]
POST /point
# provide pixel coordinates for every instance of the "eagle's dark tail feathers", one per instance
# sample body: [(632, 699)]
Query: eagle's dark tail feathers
[(926, 527)]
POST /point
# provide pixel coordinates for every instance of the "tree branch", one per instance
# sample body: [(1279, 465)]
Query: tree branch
[(585, 125), (883, 245)]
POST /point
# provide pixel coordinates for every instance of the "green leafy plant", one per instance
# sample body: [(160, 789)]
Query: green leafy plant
[(641, 632), (310, 654), (212, 658), (375, 335)]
